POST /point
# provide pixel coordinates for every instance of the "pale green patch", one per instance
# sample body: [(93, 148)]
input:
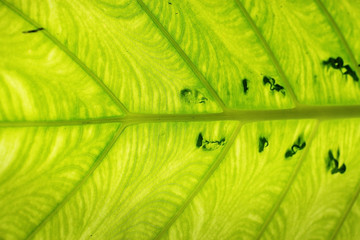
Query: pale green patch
[(148, 119)]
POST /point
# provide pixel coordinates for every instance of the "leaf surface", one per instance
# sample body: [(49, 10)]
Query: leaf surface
[(179, 119)]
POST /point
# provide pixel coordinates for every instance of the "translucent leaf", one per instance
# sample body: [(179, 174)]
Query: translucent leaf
[(179, 119)]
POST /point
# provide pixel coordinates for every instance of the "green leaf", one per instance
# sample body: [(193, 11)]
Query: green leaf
[(196, 119)]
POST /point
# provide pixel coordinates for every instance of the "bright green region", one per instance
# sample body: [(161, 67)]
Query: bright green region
[(38, 81), (39, 167), (346, 14), (317, 200), (121, 45), (240, 195), (223, 46), (142, 182), (351, 226), (140, 119), (301, 38)]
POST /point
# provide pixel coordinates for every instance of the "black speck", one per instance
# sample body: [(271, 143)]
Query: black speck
[(268, 80), (185, 92), (199, 141), (245, 85), (210, 145), (273, 85), (263, 142), (186, 95), (34, 30), (300, 144), (351, 73), (192, 96), (169, 3), (203, 100), (333, 163), (289, 153), (338, 63)]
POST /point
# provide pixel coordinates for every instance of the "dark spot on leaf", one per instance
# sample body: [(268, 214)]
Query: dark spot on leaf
[(273, 85), (245, 85), (268, 80), (289, 153), (277, 87), (169, 3), (199, 141), (333, 163), (34, 30), (351, 73), (300, 144), (185, 92), (186, 95), (203, 100), (263, 142), (342, 169), (208, 145), (192, 96), (338, 63)]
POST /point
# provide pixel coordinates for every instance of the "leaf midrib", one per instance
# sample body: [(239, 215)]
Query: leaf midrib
[(305, 112)]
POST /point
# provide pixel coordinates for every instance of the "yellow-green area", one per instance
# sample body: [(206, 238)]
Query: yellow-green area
[(179, 119)]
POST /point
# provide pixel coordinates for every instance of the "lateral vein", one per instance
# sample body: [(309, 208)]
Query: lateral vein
[(346, 212), (81, 182), (269, 52), (338, 32), (292, 178), (73, 57), (201, 183), (183, 55)]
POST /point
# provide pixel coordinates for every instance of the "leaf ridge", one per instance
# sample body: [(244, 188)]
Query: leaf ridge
[(183, 55), (339, 34), (201, 183), (81, 182), (268, 51), (308, 112), (347, 211), (70, 54), (283, 194)]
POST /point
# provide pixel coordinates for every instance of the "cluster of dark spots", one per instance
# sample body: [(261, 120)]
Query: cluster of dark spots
[(34, 30), (298, 145), (273, 85), (263, 143), (245, 85), (192, 96), (338, 63), (333, 163), (208, 145)]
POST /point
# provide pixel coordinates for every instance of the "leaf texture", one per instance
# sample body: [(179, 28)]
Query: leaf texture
[(179, 119)]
